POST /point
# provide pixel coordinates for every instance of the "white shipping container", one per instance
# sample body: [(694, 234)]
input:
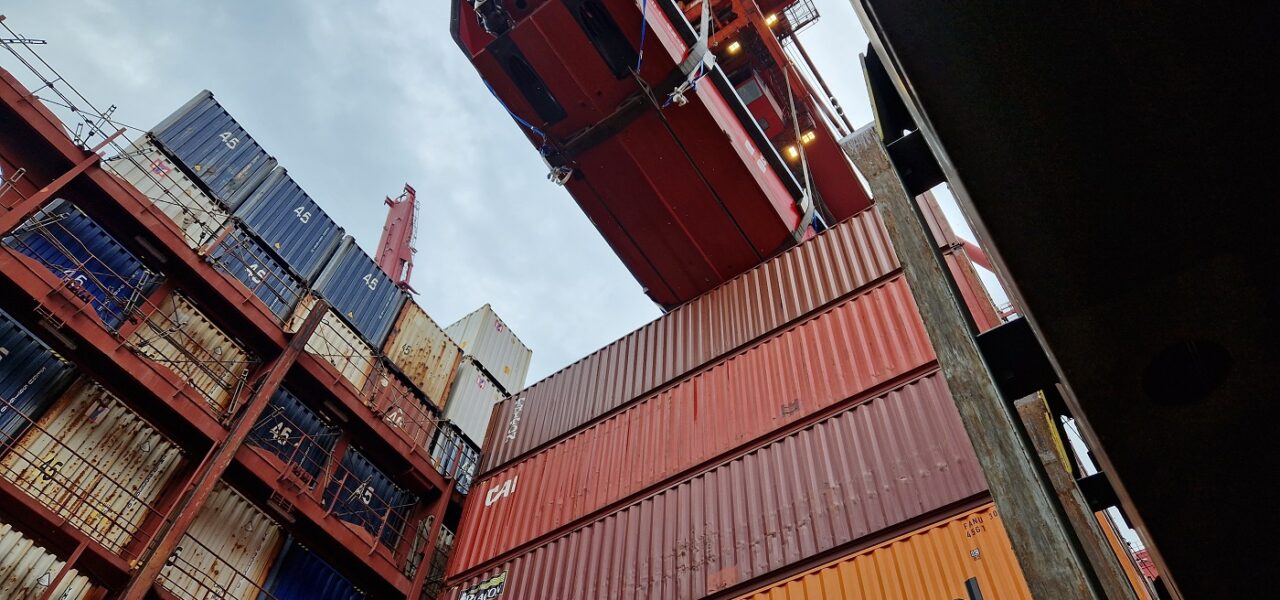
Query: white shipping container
[(471, 400), (145, 167), (180, 337), (226, 552), (95, 463), (27, 569), (336, 343), (423, 351), (482, 334)]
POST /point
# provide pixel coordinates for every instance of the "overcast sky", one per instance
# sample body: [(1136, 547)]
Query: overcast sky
[(357, 98)]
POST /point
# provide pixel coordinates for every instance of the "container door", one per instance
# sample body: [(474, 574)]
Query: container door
[(227, 551), (362, 494), (291, 224), (243, 256), (27, 569), (31, 377), (358, 290), (300, 440)]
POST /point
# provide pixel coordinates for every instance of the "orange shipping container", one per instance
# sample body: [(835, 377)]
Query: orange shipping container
[(967, 556)]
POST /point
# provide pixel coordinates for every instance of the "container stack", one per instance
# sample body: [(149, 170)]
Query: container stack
[(792, 420), (494, 365), (149, 302)]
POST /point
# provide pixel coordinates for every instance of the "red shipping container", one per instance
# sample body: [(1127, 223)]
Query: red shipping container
[(853, 348), (795, 283), (868, 471)]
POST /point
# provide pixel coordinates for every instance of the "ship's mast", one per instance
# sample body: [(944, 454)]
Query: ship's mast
[(396, 248)]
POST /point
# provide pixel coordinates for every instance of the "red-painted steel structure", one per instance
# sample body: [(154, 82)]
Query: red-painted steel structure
[(396, 247)]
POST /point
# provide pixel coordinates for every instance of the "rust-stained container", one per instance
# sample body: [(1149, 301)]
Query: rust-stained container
[(423, 352), (27, 569), (850, 477), (180, 337), (845, 258), (226, 552), (338, 344), (146, 167), (966, 556), (856, 346), (95, 463), (482, 334), (471, 399)]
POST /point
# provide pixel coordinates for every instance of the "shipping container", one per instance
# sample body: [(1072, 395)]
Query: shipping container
[(362, 494), (180, 337), (966, 556), (211, 145), (301, 575), (834, 264), (423, 352), (396, 402), (31, 377), (87, 259), (292, 224), (357, 289), (298, 440), (456, 456), (27, 570), (471, 399), (848, 351), (240, 253), (226, 553), (857, 474), (482, 334), (147, 168), (337, 344), (95, 463)]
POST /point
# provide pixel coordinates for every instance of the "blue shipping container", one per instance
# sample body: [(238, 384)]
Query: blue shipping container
[(243, 256), (455, 456), (301, 575), (205, 139), (292, 224), (358, 290), (31, 378), (361, 493), (91, 262), (295, 433)]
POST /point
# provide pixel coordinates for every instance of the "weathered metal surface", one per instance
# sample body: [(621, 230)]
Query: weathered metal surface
[(180, 337), (471, 400), (295, 435), (358, 290), (423, 351), (209, 142), (455, 456), (845, 352), (779, 291), (482, 334), (225, 553), (95, 463), (292, 224), (242, 255), (860, 472), (27, 569), (950, 559), (146, 167), (31, 377), (362, 494), (337, 344)]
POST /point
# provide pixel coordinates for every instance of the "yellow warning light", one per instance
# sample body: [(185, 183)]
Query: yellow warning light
[(734, 47), (771, 19), (808, 137), (793, 152)]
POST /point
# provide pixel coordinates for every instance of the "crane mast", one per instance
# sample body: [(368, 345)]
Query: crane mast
[(399, 234)]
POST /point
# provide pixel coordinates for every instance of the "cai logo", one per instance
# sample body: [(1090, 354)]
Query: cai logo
[(488, 589)]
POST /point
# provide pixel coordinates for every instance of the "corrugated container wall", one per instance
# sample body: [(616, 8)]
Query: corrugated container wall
[(482, 334), (210, 144), (423, 352), (854, 348), (337, 344), (180, 337), (79, 252), (294, 435), (31, 377), (27, 569), (471, 400), (292, 224), (144, 166), (301, 575), (226, 552), (860, 473), (797, 282), (455, 456), (363, 494), (242, 255), (358, 290), (95, 463), (967, 556)]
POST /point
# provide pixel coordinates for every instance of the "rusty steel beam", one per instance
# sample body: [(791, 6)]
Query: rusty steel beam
[(27, 206), (428, 553), (224, 454), (1043, 539)]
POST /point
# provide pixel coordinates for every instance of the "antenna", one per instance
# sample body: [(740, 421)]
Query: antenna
[(399, 234)]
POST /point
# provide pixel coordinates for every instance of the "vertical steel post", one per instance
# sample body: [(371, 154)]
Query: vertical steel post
[(433, 538), (1046, 546), (224, 452)]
